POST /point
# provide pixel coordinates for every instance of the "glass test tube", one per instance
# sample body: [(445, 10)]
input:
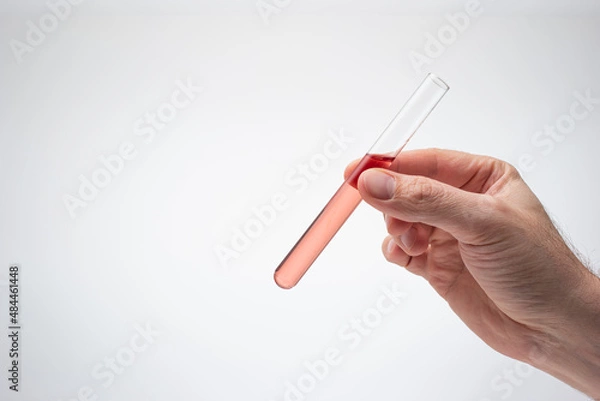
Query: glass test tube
[(346, 199)]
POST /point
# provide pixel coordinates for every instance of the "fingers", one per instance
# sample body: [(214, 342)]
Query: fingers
[(417, 199), (469, 172), (394, 254), (416, 240), (461, 170), (350, 168), (412, 237), (396, 227)]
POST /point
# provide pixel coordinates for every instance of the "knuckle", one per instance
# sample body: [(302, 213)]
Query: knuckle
[(511, 171), (422, 190), (395, 226), (495, 219)]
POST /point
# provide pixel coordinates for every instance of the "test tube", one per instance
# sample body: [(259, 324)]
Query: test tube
[(347, 198)]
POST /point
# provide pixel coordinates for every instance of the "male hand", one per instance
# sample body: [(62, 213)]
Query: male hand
[(471, 227)]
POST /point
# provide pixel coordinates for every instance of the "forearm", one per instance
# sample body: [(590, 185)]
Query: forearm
[(571, 350)]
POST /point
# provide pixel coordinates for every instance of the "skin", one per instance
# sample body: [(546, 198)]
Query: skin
[(475, 231)]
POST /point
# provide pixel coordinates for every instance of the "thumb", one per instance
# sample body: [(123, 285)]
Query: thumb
[(465, 215)]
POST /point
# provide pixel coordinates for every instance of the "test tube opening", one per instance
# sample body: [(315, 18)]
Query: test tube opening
[(439, 81)]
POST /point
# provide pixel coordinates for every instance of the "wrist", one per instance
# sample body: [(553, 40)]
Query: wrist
[(570, 350)]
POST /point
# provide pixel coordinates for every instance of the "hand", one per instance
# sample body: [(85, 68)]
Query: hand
[(471, 227)]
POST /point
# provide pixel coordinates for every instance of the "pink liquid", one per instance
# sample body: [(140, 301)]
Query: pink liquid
[(326, 225)]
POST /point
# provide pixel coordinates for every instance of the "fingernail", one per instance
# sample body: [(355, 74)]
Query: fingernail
[(391, 246), (408, 238), (379, 185)]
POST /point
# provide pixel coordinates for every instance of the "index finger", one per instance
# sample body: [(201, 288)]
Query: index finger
[(462, 170)]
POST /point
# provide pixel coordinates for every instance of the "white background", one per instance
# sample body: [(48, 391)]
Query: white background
[(143, 251)]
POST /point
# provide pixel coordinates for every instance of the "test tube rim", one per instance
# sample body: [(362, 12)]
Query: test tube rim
[(438, 81)]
